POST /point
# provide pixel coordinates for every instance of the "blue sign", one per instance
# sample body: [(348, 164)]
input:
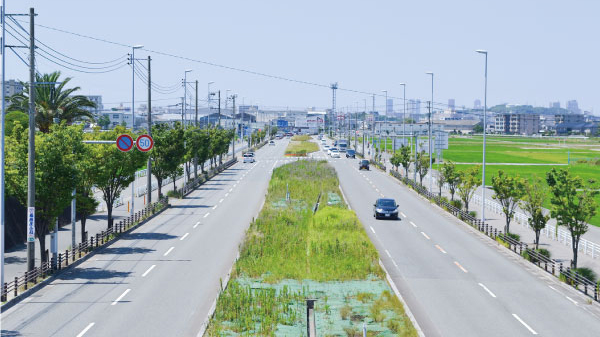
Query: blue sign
[(282, 123)]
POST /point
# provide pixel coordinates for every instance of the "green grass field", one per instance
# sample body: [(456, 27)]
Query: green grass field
[(301, 148), (584, 156)]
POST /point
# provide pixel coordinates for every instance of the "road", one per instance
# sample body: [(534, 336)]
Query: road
[(456, 281), (162, 278)]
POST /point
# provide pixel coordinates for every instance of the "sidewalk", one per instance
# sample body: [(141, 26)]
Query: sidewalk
[(15, 260)]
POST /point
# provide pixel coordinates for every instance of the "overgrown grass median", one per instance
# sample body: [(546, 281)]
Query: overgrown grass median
[(301, 148), (290, 254)]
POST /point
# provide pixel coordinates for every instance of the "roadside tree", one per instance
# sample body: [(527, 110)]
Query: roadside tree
[(508, 191), (573, 204), (451, 177), (469, 180), (167, 154), (532, 204)]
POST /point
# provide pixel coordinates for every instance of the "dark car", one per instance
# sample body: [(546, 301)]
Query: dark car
[(385, 208), (350, 154), (363, 164)]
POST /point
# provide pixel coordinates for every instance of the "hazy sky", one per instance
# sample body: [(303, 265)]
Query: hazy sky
[(539, 50)]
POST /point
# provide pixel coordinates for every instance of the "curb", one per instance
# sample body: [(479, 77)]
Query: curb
[(39, 286)]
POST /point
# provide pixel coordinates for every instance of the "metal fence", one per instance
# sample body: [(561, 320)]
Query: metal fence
[(38, 274), (551, 266)]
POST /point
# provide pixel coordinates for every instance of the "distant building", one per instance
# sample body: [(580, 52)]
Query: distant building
[(414, 108), (517, 124), (554, 105), (568, 118), (573, 107), (577, 128), (97, 99), (12, 87), (451, 104), (389, 107)]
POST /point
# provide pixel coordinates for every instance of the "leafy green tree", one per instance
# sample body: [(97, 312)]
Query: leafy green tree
[(404, 156), (103, 121), (478, 128), (86, 203), (53, 100), (573, 204), (441, 180), (422, 165), (273, 131), (114, 169), (14, 117), (532, 203), (469, 180), (168, 152), (395, 160), (55, 173), (508, 191), (451, 177)]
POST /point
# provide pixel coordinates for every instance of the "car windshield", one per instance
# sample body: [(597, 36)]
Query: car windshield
[(364, 161), (350, 151), (386, 203), (247, 155)]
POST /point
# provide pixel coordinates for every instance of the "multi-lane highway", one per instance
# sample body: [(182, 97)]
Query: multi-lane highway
[(161, 279), (456, 281)]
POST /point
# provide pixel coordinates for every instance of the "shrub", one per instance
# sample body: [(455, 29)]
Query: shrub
[(514, 236), (473, 214), (444, 200), (345, 311), (352, 331), (376, 310), (502, 242), (456, 203), (174, 194), (364, 297), (587, 273), (394, 326), (544, 252)]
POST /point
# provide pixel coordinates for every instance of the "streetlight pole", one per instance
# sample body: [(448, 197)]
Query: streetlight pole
[(403, 112), (484, 127), (2, 216), (386, 114), (208, 101), (133, 117), (185, 95), (430, 154)]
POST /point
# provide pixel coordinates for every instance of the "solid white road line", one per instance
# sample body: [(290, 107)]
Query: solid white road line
[(149, 270), (221, 200), (404, 215), (196, 225), (572, 300), (168, 251), (440, 248), (388, 253), (120, 297), (461, 267), (205, 215), (86, 329), (486, 289), (372, 230), (412, 223), (425, 235), (524, 324), (184, 236), (215, 207)]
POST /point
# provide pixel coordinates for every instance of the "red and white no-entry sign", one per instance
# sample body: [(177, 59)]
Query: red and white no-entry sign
[(144, 143), (124, 143)]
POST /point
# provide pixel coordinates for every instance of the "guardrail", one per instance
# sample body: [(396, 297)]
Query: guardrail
[(551, 266), (379, 165), (31, 278)]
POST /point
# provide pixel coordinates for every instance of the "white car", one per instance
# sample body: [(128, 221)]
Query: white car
[(271, 142), (248, 158), (323, 141), (326, 148), (331, 150), (335, 153)]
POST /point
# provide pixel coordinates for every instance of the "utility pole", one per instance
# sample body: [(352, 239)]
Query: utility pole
[(430, 154), (333, 87), (219, 108), (2, 216), (196, 118), (31, 152), (234, 126), (149, 163)]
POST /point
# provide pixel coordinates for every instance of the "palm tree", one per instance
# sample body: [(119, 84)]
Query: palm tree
[(53, 101)]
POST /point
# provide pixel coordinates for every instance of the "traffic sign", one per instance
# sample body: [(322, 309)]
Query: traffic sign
[(124, 143), (144, 143)]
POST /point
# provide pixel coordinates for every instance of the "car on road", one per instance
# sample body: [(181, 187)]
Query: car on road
[(323, 141), (251, 154), (249, 157), (350, 154), (335, 153), (385, 208), (363, 164), (331, 149), (271, 142), (326, 148)]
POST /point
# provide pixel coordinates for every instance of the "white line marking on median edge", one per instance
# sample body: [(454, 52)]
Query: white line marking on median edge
[(412, 223), (461, 267), (120, 297), (215, 207), (221, 200), (388, 253), (149, 270), (572, 300), (205, 215), (486, 289), (168, 251), (440, 248), (524, 324), (372, 230), (425, 235), (184, 236), (86, 329), (404, 215)]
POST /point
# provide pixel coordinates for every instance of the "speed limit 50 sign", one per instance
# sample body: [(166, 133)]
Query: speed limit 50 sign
[(144, 143)]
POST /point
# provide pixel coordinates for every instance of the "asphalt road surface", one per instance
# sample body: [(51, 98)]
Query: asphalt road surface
[(161, 279), (456, 281)]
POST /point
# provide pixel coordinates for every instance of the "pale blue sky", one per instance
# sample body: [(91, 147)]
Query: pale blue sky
[(539, 51)]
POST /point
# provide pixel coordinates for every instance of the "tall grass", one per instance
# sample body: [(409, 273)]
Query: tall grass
[(301, 148)]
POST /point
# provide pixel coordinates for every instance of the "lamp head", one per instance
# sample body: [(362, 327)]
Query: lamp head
[(429, 73), (138, 46), (481, 51), (188, 70)]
